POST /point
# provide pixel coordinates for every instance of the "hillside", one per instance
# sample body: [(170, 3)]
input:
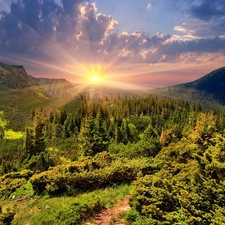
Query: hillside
[(56, 88), (19, 94), (77, 168), (87, 160), (15, 77), (209, 90)]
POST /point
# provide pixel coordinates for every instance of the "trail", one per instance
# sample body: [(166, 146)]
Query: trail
[(112, 216)]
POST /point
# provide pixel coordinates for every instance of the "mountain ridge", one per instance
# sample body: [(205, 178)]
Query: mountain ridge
[(209, 89), (56, 88), (14, 76)]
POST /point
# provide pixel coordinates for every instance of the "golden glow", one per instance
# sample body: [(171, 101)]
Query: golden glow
[(95, 74), (95, 79)]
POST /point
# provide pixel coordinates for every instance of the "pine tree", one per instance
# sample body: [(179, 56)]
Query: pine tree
[(29, 142), (84, 140), (39, 139), (99, 135)]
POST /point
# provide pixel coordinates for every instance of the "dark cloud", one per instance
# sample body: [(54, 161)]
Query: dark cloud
[(207, 9), (71, 7), (202, 45)]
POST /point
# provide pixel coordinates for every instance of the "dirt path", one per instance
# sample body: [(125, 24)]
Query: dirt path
[(112, 216)]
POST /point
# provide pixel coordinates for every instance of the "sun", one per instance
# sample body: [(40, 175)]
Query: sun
[(94, 74), (95, 79)]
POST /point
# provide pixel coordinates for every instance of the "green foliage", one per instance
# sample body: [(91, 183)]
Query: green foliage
[(11, 154), (24, 190), (10, 134), (189, 189), (3, 121), (132, 216), (11, 181), (172, 152), (38, 163), (69, 210), (89, 174), (6, 216), (93, 137), (148, 146)]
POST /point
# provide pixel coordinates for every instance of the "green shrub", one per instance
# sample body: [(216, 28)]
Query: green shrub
[(91, 173), (6, 216), (24, 190), (11, 181), (132, 216)]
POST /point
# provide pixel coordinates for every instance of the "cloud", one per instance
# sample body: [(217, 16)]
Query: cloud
[(75, 31), (95, 27), (149, 6), (207, 9), (208, 19), (201, 28)]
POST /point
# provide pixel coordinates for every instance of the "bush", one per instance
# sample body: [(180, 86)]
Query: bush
[(11, 181), (132, 216), (90, 173), (6, 216)]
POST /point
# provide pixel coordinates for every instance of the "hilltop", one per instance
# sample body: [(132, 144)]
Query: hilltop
[(209, 89), (56, 88)]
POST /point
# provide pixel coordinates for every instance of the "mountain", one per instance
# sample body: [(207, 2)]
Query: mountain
[(209, 90), (14, 77), (20, 91), (213, 83), (19, 94), (56, 88)]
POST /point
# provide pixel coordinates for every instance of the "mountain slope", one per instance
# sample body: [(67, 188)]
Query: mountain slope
[(209, 90), (213, 82), (14, 77), (56, 88), (19, 94)]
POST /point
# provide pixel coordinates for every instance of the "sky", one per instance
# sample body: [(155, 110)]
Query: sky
[(126, 43)]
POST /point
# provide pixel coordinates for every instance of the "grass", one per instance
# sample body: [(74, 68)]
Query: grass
[(17, 105), (67, 210), (3, 121), (10, 134)]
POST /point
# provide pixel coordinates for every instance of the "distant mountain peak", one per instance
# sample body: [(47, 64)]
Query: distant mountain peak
[(56, 88), (14, 77), (209, 89), (213, 82)]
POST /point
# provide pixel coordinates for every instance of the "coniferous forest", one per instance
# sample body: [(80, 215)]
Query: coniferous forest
[(66, 165)]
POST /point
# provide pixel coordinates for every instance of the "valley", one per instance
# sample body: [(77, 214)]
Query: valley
[(68, 157)]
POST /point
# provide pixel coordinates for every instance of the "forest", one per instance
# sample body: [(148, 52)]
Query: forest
[(167, 155)]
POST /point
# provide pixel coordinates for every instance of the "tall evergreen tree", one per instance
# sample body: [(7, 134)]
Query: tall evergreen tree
[(85, 142), (39, 140), (99, 135), (29, 142)]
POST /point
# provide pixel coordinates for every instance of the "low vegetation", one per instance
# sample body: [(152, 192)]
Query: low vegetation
[(69, 164)]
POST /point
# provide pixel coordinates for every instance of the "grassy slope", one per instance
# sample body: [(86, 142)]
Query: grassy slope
[(44, 210), (18, 104)]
